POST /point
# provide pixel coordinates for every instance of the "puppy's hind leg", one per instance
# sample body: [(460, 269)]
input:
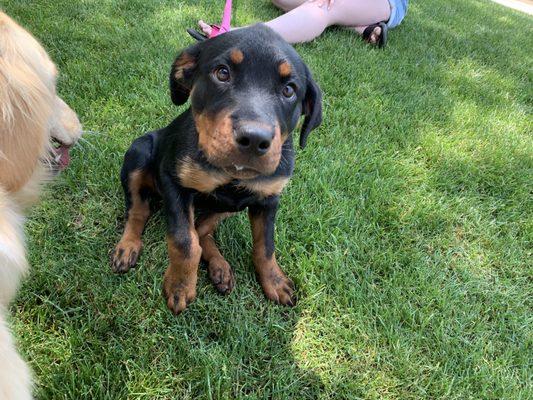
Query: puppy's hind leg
[(138, 184)]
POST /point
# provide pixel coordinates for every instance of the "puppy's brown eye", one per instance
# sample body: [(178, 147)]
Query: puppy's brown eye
[(222, 74), (288, 91)]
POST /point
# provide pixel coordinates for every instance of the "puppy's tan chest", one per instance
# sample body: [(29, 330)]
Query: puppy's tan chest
[(194, 176), (266, 187)]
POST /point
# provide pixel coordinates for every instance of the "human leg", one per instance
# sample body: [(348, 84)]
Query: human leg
[(308, 20)]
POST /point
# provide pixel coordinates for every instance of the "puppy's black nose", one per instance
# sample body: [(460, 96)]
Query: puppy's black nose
[(254, 139)]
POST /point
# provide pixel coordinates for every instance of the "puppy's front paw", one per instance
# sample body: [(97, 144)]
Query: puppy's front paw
[(221, 275), (125, 255), (278, 287), (178, 292)]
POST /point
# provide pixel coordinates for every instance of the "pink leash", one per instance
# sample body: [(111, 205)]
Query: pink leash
[(225, 26)]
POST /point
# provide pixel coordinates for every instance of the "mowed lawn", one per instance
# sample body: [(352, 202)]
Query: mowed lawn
[(407, 227)]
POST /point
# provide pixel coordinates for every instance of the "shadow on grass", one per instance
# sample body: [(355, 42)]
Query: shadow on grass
[(431, 181)]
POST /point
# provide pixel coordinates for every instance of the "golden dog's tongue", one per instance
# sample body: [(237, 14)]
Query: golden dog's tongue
[(63, 157)]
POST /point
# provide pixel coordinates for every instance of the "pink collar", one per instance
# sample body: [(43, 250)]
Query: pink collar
[(225, 26)]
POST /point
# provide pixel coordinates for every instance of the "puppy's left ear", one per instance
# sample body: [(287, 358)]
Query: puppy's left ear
[(312, 108), (181, 74)]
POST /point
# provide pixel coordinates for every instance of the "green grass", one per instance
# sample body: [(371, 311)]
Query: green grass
[(407, 227)]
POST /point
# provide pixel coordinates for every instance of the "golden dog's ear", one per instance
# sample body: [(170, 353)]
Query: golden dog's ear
[(181, 74), (311, 108)]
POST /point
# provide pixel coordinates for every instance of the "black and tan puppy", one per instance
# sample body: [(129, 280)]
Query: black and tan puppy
[(231, 150)]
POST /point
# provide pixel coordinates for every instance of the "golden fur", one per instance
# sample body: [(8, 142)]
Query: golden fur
[(31, 115)]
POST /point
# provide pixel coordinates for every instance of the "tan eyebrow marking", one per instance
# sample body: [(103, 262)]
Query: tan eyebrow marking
[(236, 56), (284, 69)]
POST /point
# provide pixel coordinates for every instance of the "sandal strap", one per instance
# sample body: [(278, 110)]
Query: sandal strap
[(382, 40)]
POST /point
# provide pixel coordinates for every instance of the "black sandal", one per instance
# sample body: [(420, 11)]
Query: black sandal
[(382, 40), (197, 35)]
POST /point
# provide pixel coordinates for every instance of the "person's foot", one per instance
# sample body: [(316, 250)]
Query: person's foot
[(374, 36), (206, 28)]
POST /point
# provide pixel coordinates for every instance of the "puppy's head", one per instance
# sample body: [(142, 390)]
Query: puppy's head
[(248, 90)]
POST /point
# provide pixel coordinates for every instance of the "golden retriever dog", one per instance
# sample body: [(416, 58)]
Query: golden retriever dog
[(37, 129)]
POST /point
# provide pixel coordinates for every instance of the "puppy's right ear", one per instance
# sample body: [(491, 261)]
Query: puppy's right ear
[(181, 74)]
